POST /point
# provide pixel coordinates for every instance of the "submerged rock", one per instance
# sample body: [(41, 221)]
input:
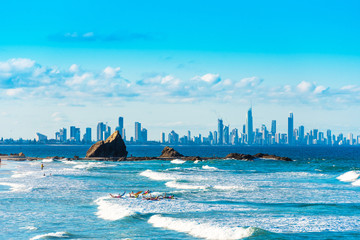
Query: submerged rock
[(239, 156), (114, 146), (169, 152), (274, 157)]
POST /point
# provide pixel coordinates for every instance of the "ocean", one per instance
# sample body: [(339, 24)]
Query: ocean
[(317, 196)]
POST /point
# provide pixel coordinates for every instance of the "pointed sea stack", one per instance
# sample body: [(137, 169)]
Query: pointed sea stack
[(169, 152), (114, 146)]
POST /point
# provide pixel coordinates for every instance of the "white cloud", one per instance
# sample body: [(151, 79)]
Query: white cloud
[(249, 82), (16, 64), (74, 68), (320, 89), (305, 87), (110, 72), (14, 92), (88, 35), (209, 78)]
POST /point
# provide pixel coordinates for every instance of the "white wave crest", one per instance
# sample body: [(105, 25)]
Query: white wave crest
[(51, 235), (220, 187), (159, 176), (91, 165), (349, 176), (108, 210), (175, 184), (196, 161), (16, 187), (31, 228), (178, 161), (47, 160), (356, 183), (200, 230), (207, 167)]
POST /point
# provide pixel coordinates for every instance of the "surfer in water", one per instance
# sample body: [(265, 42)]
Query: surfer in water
[(117, 196)]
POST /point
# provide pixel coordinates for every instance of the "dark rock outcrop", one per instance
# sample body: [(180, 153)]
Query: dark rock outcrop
[(239, 156), (114, 146), (196, 158), (274, 157), (169, 152), (21, 154)]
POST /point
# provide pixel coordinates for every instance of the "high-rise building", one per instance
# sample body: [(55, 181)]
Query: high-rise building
[(40, 137), (220, 132), (100, 131), (189, 136), (173, 137), (120, 127), (74, 134), (290, 129), (163, 137), (215, 137), (87, 135), (137, 132), (328, 137), (273, 127), (107, 132), (226, 135), (249, 127), (144, 135), (301, 134), (63, 135)]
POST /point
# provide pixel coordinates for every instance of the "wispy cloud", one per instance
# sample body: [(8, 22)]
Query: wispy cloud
[(27, 79), (119, 36)]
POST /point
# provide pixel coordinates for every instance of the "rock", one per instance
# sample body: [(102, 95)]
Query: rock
[(21, 154), (239, 156), (274, 157), (76, 157), (114, 146), (169, 152), (196, 158)]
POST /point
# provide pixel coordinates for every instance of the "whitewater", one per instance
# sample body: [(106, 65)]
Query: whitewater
[(315, 197)]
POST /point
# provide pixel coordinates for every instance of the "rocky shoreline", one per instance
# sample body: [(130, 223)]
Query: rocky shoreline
[(114, 149)]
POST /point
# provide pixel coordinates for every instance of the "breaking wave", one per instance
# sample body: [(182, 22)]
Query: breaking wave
[(51, 235), (206, 167), (201, 230), (15, 187), (175, 184), (109, 210), (159, 176), (178, 161), (349, 176)]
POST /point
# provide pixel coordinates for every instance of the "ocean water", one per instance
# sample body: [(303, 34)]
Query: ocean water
[(315, 197)]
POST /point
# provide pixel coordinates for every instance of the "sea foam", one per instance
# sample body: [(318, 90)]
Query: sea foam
[(178, 161), (109, 210), (200, 230), (159, 176), (16, 187), (51, 235), (206, 167), (349, 176), (175, 184)]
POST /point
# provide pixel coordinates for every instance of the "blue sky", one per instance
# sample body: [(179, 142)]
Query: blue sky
[(178, 65)]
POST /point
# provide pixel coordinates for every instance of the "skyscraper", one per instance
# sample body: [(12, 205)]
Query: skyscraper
[(273, 127), (100, 131), (120, 128), (87, 136), (226, 135), (249, 127), (301, 134), (291, 129), (137, 132), (220, 131)]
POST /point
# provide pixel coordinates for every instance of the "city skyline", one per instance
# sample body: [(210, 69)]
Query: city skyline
[(63, 66), (222, 135)]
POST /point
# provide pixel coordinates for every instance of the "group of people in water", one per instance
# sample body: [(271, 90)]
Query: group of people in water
[(146, 195)]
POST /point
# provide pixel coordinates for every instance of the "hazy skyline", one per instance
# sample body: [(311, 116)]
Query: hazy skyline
[(178, 65)]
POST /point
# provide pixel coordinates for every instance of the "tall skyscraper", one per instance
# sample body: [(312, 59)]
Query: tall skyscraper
[(273, 127), (144, 135), (87, 135), (74, 134), (249, 127), (301, 134), (100, 131), (163, 137), (226, 135), (137, 132), (291, 129), (120, 127), (189, 136), (220, 131), (328, 137)]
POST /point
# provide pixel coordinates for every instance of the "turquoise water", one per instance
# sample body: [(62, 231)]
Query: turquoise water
[(315, 197)]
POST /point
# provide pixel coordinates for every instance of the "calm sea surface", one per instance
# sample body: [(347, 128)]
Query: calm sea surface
[(315, 197)]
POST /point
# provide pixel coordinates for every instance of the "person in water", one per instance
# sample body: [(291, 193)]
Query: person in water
[(42, 166)]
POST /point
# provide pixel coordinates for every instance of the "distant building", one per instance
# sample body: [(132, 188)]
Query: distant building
[(290, 129), (163, 137), (226, 135), (100, 131), (249, 127), (144, 135), (220, 132), (137, 132), (74, 134), (173, 137), (121, 128), (40, 137), (87, 135), (273, 127)]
